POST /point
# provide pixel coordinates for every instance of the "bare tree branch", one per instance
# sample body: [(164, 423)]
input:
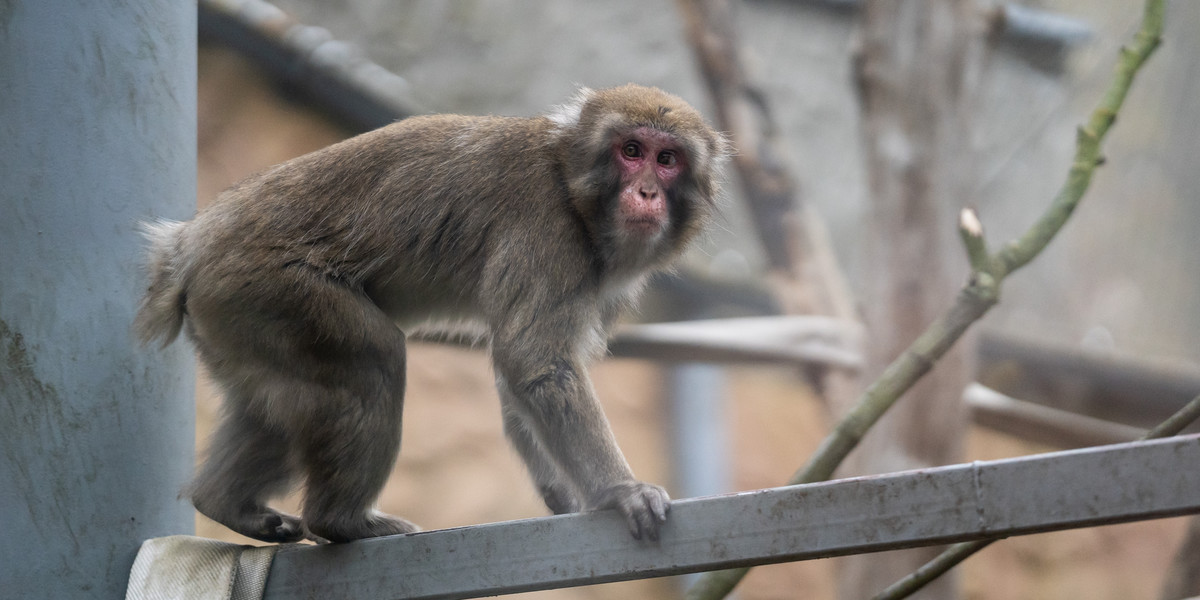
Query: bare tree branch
[(979, 294), (803, 270)]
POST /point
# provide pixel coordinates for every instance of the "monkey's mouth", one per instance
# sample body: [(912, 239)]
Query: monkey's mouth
[(643, 226)]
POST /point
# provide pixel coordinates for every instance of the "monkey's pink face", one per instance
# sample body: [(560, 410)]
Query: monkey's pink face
[(649, 162)]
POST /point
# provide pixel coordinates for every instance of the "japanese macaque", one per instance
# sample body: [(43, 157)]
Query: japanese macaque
[(297, 285)]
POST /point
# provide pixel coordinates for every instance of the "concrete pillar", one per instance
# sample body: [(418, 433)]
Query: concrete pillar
[(97, 132)]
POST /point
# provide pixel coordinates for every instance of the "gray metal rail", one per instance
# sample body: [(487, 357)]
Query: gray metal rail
[(1063, 490)]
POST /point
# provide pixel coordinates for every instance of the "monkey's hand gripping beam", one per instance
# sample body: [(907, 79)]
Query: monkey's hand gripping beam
[(1062, 490)]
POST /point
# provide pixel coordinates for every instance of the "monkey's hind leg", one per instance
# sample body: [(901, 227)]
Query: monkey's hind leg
[(351, 438), (323, 368), (348, 455), (247, 465)]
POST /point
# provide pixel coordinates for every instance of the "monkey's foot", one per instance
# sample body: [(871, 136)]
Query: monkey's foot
[(644, 506), (267, 525), (376, 524)]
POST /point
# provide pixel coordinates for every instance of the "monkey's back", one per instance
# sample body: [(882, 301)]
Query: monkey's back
[(424, 217)]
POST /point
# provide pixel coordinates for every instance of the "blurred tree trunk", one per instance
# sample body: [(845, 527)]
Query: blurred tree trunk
[(803, 271), (916, 68)]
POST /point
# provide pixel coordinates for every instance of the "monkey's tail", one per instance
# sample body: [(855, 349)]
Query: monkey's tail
[(160, 315)]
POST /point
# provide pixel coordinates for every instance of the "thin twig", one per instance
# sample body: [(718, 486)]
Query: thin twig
[(1176, 422)]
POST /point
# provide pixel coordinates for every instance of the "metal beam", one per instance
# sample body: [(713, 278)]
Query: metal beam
[(793, 339), (1019, 22), (1063, 490), (306, 60), (1106, 385), (1043, 424)]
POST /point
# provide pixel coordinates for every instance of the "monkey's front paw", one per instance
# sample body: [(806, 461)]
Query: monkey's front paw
[(644, 506)]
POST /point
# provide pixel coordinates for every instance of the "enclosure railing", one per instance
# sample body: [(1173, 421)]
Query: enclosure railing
[(979, 500)]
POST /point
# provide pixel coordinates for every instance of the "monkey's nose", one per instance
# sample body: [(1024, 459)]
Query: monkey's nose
[(648, 193)]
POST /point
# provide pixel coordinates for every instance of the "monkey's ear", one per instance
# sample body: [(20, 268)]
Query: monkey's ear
[(711, 152), (567, 114), (720, 151), (723, 148)]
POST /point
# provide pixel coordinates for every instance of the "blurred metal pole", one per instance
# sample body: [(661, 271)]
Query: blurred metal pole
[(700, 434), (98, 122)]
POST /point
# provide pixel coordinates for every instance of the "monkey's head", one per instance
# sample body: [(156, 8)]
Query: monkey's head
[(641, 166)]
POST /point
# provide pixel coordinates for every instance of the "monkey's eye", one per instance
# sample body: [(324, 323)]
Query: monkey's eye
[(631, 150), (667, 158)]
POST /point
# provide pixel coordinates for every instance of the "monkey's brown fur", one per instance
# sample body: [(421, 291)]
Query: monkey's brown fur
[(291, 287)]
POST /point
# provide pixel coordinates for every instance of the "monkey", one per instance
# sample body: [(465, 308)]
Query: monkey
[(297, 286)]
